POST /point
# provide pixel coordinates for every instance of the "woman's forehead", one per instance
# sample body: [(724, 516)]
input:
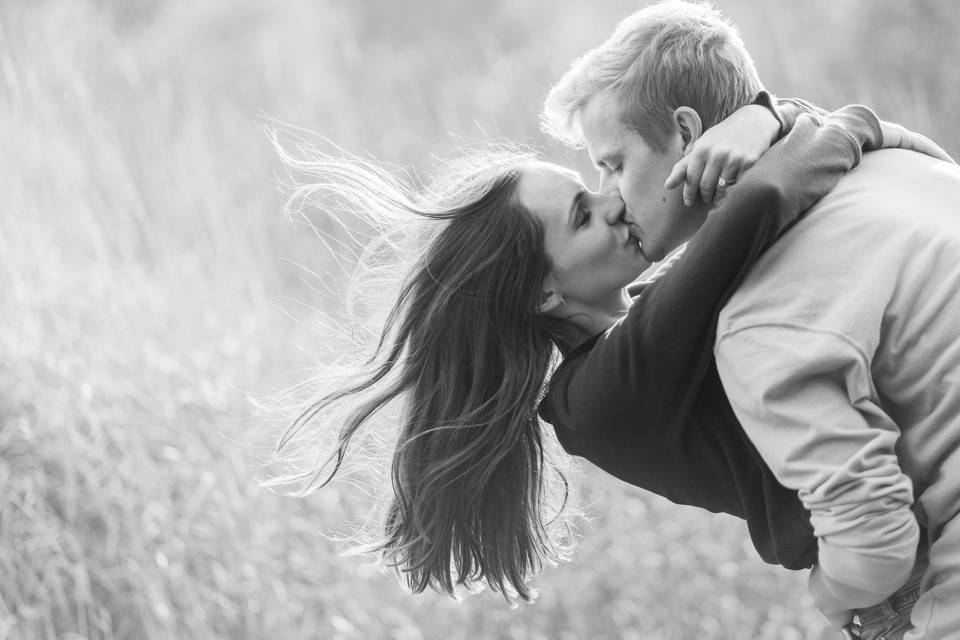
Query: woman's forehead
[(548, 188), (544, 178), (547, 169)]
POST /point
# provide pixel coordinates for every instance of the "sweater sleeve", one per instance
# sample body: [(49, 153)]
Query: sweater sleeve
[(650, 364), (805, 399), (858, 120)]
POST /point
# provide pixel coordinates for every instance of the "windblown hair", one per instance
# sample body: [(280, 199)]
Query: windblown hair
[(467, 353), (670, 54)]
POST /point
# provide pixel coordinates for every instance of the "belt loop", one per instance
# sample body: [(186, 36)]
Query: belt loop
[(850, 632), (888, 611)]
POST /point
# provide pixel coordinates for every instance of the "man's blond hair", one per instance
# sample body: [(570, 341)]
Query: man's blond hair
[(667, 55)]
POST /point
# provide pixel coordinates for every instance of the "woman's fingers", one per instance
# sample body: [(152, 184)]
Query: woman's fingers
[(701, 176), (897, 136), (691, 183), (709, 179), (923, 144), (677, 174)]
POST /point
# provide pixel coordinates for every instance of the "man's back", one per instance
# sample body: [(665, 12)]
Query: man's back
[(844, 335), (875, 267)]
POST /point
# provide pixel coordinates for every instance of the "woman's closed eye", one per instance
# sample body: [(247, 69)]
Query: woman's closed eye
[(583, 216)]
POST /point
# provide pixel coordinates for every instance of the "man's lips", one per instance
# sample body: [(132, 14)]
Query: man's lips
[(633, 239)]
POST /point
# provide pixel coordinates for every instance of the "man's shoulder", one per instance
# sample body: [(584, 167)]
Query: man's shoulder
[(835, 268), (894, 176), (891, 192), (895, 160)]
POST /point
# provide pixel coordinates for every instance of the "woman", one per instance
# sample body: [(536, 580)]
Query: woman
[(469, 342)]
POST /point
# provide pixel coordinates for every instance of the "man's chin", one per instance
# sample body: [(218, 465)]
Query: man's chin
[(652, 255)]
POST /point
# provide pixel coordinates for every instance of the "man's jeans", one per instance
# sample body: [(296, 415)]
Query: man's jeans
[(890, 619)]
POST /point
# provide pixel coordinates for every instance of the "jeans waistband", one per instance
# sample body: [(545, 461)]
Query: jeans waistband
[(903, 599)]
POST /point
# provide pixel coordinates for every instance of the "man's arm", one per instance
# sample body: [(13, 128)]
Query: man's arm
[(806, 400)]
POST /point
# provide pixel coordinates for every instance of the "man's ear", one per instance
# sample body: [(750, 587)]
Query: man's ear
[(689, 126), (550, 300)]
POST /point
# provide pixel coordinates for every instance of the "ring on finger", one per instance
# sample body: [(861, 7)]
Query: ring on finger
[(723, 183)]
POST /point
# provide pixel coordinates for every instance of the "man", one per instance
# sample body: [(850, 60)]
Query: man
[(639, 101), (840, 354)]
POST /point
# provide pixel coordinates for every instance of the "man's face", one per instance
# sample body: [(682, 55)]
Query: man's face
[(635, 171)]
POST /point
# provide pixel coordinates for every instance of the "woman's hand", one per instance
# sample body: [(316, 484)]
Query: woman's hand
[(898, 137), (723, 152)]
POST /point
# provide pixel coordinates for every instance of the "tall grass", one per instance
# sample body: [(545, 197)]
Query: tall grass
[(149, 285)]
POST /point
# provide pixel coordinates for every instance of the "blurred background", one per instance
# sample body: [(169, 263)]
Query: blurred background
[(150, 285)]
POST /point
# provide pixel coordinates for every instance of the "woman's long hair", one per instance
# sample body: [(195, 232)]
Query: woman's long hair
[(468, 354)]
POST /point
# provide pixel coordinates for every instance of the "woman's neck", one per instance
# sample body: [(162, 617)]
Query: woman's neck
[(597, 318)]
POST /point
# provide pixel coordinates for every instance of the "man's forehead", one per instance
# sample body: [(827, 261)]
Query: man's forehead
[(601, 127), (602, 149)]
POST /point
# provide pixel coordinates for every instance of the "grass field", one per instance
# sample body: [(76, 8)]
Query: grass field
[(150, 286)]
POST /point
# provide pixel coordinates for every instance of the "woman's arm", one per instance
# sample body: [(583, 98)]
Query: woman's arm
[(649, 366), (894, 136), (731, 147)]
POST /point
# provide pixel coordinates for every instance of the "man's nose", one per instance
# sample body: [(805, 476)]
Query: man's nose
[(609, 185)]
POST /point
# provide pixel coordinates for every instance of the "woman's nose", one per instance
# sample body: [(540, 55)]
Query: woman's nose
[(613, 211)]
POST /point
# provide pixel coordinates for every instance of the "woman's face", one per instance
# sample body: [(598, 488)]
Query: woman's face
[(592, 253)]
